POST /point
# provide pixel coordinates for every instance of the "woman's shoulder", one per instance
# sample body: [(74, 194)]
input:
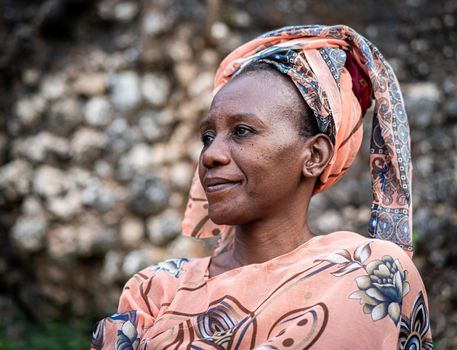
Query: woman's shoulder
[(351, 251), (382, 277), (170, 270), (349, 240), (158, 283)]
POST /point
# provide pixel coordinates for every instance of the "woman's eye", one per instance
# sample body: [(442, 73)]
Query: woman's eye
[(207, 138), (242, 131)]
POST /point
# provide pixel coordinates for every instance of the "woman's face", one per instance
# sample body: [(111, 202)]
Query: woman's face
[(251, 162)]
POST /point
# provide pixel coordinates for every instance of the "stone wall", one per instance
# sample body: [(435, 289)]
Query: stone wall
[(99, 111)]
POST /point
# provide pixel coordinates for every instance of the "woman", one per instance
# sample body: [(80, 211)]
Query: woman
[(284, 124)]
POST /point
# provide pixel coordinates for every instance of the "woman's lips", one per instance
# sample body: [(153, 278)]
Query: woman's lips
[(219, 187)]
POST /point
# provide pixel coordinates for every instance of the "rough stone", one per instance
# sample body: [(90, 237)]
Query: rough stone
[(111, 271), (49, 181), (98, 111), (164, 228), (149, 195), (38, 148), (185, 72), (176, 150), (163, 153), (90, 84), (154, 125), (329, 221), (87, 238), (149, 128), (103, 169), (29, 109), (155, 23), (53, 86), (164, 118), (139, 259), (210, 58), (139, 160), (61, 241), (193, 149), (67, 206), (219, 31), (202, 87), (15, 178), (155, 89), (123, 11), (87, 144), (132, 232), (28, 233), (94, 242), (181, 174), (421, 100), (126, 92), (101, 195), (450, 108), (78, 176), (64, 115), (3, 147), (31, 77), (118, 133), (242, 19), (32, 206), (177, 200), (186, 247)]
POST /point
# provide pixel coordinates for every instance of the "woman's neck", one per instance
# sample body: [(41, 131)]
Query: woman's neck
[(281, 230), (260, 241), (263, 241)]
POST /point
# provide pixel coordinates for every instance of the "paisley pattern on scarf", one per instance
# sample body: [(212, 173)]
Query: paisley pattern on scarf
[(335, 60)]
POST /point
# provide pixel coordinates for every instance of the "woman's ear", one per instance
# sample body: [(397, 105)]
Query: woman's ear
[(318, 153)]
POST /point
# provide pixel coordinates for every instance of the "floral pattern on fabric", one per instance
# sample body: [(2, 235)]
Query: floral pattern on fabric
[(382, 290), (126, 337), (174, 267), (415, 328)]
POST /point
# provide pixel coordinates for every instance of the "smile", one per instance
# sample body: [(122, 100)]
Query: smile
[(221, 187)]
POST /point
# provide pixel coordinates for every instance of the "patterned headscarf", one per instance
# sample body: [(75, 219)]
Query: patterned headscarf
[(338, 72)]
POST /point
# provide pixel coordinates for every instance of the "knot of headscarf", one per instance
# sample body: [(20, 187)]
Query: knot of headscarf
[(338, 72)]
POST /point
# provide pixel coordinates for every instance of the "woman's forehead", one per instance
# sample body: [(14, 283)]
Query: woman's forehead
[(258, 92)]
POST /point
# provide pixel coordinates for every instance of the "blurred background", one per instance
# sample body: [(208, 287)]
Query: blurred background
[(100, 102)]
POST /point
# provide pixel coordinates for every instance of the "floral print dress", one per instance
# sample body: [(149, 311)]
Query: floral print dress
[(337, 291)]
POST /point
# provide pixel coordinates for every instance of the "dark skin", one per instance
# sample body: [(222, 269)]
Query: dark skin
[(258, 172)]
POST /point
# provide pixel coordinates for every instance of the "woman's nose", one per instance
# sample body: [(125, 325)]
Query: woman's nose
[(216, 154)]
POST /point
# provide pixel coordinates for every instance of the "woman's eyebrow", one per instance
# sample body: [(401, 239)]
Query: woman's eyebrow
[(239, 116)]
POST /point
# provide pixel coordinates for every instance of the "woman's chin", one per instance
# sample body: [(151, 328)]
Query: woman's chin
[(225, 217), (221, 219)]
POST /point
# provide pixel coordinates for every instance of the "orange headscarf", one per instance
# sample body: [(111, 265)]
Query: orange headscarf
[(338, 72)]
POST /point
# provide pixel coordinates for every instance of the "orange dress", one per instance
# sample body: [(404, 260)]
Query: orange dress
[(336, 291)]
